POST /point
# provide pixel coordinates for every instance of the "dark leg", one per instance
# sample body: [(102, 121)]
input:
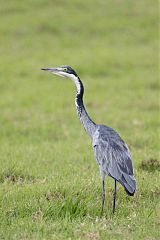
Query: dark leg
[(103, 194), (114, 196)]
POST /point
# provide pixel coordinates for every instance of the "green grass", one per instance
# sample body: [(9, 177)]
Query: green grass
[(50, 185)]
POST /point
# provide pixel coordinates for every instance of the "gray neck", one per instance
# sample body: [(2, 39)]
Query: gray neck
[(88, 124)]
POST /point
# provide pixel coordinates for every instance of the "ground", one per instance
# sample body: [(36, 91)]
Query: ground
[(50, 185)]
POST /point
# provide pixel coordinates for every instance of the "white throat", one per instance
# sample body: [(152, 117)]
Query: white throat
[(74, 79)]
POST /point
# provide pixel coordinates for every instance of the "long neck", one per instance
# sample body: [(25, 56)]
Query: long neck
[(88, 124)]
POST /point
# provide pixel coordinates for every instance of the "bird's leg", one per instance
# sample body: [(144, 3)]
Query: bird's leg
[(103, 193), (114, 196)]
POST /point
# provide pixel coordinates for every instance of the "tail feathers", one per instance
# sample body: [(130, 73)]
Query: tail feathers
[(129, 183), (129, 193)]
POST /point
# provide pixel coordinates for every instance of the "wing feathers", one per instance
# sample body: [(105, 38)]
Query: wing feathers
[(114, 158)]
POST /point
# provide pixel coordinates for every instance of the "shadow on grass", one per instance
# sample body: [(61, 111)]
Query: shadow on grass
[(150, 165), (15, 176)]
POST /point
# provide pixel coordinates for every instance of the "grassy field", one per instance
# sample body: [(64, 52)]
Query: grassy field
[(50, 185)]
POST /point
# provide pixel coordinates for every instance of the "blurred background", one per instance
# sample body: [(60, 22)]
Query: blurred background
[(113, 46)]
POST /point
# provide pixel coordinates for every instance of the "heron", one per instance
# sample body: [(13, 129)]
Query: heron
[(111, 152)]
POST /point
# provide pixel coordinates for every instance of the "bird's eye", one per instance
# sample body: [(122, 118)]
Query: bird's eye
[(65, 69)]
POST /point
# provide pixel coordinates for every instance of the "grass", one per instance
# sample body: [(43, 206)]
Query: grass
[(50, 185)]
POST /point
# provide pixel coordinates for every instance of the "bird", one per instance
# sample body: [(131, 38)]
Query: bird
[(111, 152)]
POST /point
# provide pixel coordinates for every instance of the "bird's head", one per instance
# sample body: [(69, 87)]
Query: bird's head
[(64, 71)]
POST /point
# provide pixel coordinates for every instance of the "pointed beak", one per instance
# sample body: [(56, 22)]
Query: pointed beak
[(56, 71), (50, 69)]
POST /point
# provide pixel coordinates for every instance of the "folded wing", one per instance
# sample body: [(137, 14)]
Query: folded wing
[(114, 157)]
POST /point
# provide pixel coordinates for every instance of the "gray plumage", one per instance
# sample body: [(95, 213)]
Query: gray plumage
[(113, 157), (111, 152)]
